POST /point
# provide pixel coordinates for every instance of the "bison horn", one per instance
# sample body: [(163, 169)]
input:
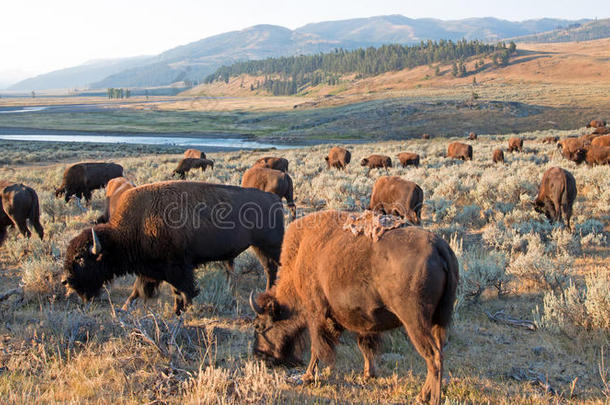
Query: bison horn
[(254, 305), (97, 246)]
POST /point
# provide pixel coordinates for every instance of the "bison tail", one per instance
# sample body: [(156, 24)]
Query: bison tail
[(34, 215), (444, 310)]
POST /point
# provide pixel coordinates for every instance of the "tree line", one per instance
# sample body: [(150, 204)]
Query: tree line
[(118, 93)]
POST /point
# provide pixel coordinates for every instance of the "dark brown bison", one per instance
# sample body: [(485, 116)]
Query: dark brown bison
[(187, 164), (603, 140), (194, 153), (593, 155), (556, 195), (550, 139), (162, 231), (19, 203), (376, 162), (596, 124), (396, 196), (332, 280), (426, 136), (498, 156), (601, 131), (114, 189), (338, 158), (472, 136), (272, 163), (459, 150), (515, 144), (271, 181), (407, 158), (81, 179)]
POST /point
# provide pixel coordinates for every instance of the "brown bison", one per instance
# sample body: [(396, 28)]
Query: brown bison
[(271, 181), (162, 231), (376, 162), (187, 164), (556, 195), (194, 153), (550, 139), (426, 136), (603, 140), (396, 196), (81, 179), (332, 280), (459, 150), (114, 189), (498, 156), (601, 131), (569, 146), (18, 203), (593, 155), (472, 136), (407, 158), (272, 163), (596, 124), (338, 158), (515, 144)]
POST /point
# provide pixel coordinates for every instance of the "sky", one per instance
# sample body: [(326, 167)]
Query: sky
[(38, 36)]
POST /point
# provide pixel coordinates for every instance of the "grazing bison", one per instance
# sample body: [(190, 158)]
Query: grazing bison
[(472, 136), (569, 146), (596, 124), (162, 231), (194, 153), (186, 164), (396, 196), (593, 155), (407, 158), (515, 144), (338, 158), (601, 131), (556, 195), (550, 139), (114, 189), (272, 163), (271, 181), (498, 156), (18, 203), (376, 162), (81, 179), (426, 136), (603, 140), (459, 150), (332, 280)]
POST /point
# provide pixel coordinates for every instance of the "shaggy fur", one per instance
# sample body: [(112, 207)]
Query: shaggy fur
[(570, 145), (498, 156), (194, 153), (376, 162), (19, 203), (556, 195), (408, 278), (603, 140), (515, 144), (162, 231), (393, 195), (272, 163), (81, 179), (271, 181), (459, 150), (114, 189), (338, 158), (596, 124), (407, 158), (187, 164)]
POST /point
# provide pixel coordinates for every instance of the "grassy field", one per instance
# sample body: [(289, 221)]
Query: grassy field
[(512, 262)]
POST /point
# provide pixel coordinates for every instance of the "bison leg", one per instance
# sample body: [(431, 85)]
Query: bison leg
[(368, 345), (38, 228), (2, 234), (143, 287), (183, 176), (182, 281), (22, 226), (269, 261), (324, 334)]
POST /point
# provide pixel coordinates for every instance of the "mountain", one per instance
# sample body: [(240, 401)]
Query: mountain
[(597, 29)]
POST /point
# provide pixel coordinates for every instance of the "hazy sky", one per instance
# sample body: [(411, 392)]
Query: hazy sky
[(38, 36)]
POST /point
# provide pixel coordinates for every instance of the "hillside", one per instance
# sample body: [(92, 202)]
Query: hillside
[(575, 32)]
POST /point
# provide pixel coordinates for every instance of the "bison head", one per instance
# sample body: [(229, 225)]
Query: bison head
[(579, 155), (364, 162), (275, 332), (85, 267)]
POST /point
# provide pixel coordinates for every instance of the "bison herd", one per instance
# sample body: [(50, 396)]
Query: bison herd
[(330, 280)]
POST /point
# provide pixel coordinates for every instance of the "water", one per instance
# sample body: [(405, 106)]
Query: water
[(10, 110)]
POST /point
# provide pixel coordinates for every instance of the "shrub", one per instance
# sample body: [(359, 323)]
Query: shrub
[(41, 278)]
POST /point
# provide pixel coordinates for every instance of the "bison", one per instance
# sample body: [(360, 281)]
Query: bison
[(332, 280), (603, 140), (515, 144), (556, 195), (376, 162), (407, 158), (338, 158), (569, 146), (114, 189), (162, 231), (550, 139), (194, 153), (459, 150), (601, 131), (593, 155), (272, 163), (472, 136), (426, 136), (396, 196), (596, 124), (187, 164), (81, 179), (498, 156), (18, 203), (271, 181)]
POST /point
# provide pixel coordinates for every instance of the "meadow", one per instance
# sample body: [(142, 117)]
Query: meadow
[(531, 326)]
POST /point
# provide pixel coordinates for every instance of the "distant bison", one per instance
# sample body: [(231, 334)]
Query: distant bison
[(19, 203), (596, 124), (162, 231), (459, 150), (376, 162), (396, 196), (272, 163), (194, 153), (426, 136), (603, 140), (187, 164), (515, 144), (498, 156), (81, 179), (550, 139), (114, 189), (407, 159), (556, 194), (271, 181), (472, 136), (338, 158), (332, 280)]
